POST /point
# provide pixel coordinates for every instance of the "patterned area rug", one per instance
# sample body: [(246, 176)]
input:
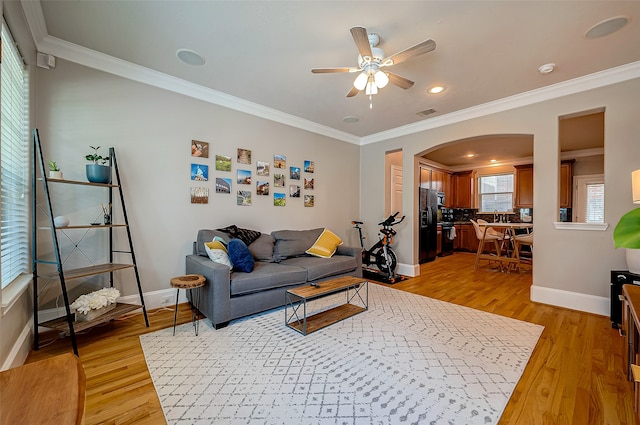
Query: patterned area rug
[(408, 359)]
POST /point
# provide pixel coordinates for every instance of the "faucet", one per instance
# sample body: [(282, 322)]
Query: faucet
[(495, 215)]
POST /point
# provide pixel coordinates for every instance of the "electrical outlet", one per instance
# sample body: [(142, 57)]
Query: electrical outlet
[(166, 299)]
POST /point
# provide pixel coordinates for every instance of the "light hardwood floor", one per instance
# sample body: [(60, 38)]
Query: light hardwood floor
[(575, 376)]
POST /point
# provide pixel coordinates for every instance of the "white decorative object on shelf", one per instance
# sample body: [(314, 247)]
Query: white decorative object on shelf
[(94, 304), (61, 221)]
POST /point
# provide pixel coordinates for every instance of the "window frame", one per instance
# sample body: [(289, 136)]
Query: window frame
[(15, 141), (480, 193)]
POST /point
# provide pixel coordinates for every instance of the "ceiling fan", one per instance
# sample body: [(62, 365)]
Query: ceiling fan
[(371, 60)]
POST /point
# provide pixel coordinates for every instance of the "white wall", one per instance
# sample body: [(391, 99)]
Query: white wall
[(568, 262), (151, 130)]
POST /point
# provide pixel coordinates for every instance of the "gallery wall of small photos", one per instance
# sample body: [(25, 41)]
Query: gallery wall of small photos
[(273, 177)]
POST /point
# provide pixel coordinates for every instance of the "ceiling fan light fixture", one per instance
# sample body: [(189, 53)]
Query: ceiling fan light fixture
[(381, 79), (361, 81), (371, 88)]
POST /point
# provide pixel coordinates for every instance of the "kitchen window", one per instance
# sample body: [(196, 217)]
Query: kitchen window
[(589, 199), (495, 193)]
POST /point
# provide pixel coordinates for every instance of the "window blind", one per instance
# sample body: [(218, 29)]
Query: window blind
[(14, 162), (594, 207)]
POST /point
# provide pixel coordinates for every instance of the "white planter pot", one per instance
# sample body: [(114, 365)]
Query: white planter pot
[(55, 175), (633, 260)]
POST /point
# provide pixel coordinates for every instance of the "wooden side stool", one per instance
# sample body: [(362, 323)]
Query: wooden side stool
[(190, 282)]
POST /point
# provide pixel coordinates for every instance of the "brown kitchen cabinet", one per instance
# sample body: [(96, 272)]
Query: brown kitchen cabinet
[(524, 186), (447, 188), (566, 183), (466, 239), (462, 189)]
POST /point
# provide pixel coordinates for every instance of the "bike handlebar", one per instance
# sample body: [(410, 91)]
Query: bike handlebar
[(390, 221)]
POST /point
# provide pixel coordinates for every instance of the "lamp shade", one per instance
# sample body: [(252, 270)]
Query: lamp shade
[(371, 87), (361, 81), (381, 79), (635, 184)]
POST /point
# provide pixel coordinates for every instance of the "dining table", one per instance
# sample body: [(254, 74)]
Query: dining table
[(508, 229)]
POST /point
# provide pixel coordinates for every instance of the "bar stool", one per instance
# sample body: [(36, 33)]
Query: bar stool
[(190, 282)]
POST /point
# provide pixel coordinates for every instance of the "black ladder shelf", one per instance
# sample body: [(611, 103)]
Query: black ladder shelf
[(66, 323)]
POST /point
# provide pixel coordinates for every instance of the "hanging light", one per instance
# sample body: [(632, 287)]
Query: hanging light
[(372, 88), (361, 81), (381, 79)]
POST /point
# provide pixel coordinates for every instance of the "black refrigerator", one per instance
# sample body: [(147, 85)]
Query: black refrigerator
[(428, 237)]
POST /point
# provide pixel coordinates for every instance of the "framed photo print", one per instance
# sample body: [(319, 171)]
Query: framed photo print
[(308, 183), (308, 200), (244, 177), (244, 156), (279, 200), (244, 197), (223, 163), (262, 188), (294, 191), (200, 172), (294, 173), (309, 166), (278, 180), (199, 149), (279, 161), (199, 195), (223, 185), (262, 168)]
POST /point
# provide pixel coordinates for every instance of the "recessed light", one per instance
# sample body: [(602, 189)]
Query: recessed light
[(190, 57), (351, 119), (470, 155), (547, 68), (436, 89), (606, 27), (493, 160)]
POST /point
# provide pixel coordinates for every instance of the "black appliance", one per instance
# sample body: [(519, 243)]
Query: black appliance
[(447, 240), (428, 237), (619, 278)]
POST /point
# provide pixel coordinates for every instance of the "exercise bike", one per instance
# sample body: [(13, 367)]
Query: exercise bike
[(381, 254)]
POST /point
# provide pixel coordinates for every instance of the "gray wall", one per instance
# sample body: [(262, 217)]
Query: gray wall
[(568, 263), (151, 130)]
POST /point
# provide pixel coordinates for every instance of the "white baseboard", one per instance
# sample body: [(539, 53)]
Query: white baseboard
[(573, 300), (411, 270), (21, 348)]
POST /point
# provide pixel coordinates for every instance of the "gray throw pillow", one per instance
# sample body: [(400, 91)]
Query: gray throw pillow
[(293, 243), (262, 248)]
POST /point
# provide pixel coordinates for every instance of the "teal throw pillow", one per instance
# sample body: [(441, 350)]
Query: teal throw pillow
[(240, 256)]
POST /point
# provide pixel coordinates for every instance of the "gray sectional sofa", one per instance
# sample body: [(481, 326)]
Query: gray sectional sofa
[(280, 264)]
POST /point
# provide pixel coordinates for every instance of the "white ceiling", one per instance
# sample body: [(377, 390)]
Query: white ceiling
[(263, 51)]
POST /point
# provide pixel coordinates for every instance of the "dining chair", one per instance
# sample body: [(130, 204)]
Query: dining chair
[(519, 241), (483, 236)]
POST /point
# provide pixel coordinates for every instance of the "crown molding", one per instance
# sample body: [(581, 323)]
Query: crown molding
[(577, 85), (90, 58)]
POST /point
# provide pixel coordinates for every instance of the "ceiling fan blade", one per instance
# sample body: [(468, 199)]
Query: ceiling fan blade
[(399, 81), (361, 38), (354, 91), (330, 70), (419, 49)]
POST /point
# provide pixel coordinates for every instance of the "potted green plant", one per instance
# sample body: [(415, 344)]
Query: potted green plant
[(97, 171), (54, 170), (627, 235)]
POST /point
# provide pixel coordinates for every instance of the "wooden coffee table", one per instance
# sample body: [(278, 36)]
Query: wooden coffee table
[(296, 313)]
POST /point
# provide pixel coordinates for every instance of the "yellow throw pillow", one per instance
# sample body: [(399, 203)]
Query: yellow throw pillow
[(216, 245), (326, 244)]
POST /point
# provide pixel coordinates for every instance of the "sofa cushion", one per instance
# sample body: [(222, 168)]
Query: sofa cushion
[(262, 248), (266, 276), (319, 268), (326, 244), (240, 256), (206, 235), (293, 243)]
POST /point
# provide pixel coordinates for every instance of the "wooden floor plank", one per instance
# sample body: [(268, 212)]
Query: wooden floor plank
[(575, 375)]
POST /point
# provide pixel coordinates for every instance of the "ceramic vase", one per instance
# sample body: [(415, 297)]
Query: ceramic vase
[(633, 260)]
